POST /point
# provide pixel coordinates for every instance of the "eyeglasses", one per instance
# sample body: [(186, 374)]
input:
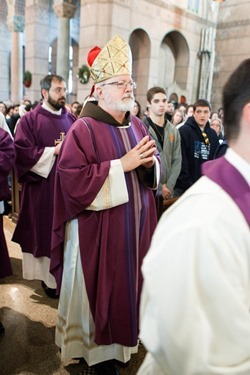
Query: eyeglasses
[(121, 84), (58, 90)]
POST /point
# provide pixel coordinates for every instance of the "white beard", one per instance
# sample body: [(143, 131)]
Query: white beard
[(124, 105)]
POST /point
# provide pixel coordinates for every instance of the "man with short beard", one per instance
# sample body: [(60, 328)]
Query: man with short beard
[(38, 140), (104, 218)]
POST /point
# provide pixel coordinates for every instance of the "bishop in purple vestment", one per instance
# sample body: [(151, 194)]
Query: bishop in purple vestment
[(104, 218)]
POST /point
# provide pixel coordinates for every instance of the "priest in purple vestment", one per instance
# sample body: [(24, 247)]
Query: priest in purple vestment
[(38, 139), (7, 159), (104, 217)]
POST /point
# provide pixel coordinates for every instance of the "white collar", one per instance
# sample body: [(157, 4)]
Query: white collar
[(45, 106)]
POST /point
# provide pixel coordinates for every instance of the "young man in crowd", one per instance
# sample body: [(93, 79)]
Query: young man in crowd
[(167, 140), (198, 145)]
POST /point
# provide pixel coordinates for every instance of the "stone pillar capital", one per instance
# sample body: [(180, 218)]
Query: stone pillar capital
[(16, 23), (64, 9)]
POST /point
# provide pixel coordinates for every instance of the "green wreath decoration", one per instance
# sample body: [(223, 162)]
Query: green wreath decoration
[(27, 78), (83, 74)]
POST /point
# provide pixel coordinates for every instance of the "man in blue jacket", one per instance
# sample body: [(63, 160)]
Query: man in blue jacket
[(198, 144)]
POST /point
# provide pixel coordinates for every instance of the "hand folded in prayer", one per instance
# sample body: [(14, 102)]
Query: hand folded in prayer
[(141, 154)]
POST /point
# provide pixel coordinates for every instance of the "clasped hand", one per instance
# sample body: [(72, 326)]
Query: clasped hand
[(141, 154)]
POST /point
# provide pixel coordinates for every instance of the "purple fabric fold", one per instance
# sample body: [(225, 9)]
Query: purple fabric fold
[(232, 182)]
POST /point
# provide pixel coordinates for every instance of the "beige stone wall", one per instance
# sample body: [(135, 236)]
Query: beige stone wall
[(165, 37), (4, 56), (232, 43), (163, 28), (37, 37)]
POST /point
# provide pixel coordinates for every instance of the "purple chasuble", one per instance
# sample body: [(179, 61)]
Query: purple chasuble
[(229, 178), (113, 241), (7, 158), (35, 131)]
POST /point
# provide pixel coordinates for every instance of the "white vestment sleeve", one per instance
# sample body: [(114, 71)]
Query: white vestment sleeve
[(4, 126), (195, 306), (114, 190), (45, 163), (157, 173)]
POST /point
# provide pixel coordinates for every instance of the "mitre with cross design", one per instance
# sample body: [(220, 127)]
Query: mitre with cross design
[(113, 59)]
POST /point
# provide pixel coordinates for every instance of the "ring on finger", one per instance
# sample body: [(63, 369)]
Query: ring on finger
[(142, 156)]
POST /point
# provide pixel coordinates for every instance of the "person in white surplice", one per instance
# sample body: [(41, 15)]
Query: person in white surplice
[(195, 307)]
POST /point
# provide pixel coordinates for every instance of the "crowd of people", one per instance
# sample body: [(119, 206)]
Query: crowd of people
[(94, 178)]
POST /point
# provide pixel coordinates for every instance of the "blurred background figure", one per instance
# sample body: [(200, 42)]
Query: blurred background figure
[(78, 110), (178, 117), (188, 113), (136, 111), (9, 112), (182, 107), (3, 108), (221, 113), (216, 124), (214, 115), (12, 120), (73, 107), (169, 111)]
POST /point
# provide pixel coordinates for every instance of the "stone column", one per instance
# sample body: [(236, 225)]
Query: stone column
[(205, 53), (38, 33), (64, 11), (16, 26)]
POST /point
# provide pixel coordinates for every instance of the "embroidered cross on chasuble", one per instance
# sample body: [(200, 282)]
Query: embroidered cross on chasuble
[(232, 182), (59, 140)]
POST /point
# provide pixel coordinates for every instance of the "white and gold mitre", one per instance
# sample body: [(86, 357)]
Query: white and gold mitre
[(113, 59)]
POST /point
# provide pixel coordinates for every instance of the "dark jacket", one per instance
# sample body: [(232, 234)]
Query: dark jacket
[(197, 147), (221, 150)]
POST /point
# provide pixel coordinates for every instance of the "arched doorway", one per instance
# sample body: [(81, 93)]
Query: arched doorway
[(173, 63), (140, 47)]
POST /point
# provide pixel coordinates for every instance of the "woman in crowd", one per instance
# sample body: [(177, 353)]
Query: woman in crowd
[(136, 111), (216, 124), (177, 117)]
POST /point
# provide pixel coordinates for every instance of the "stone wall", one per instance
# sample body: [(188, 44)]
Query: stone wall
[(232, 43), (164, 35)]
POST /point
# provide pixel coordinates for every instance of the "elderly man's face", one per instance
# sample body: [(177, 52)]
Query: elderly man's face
[(118, 93)]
